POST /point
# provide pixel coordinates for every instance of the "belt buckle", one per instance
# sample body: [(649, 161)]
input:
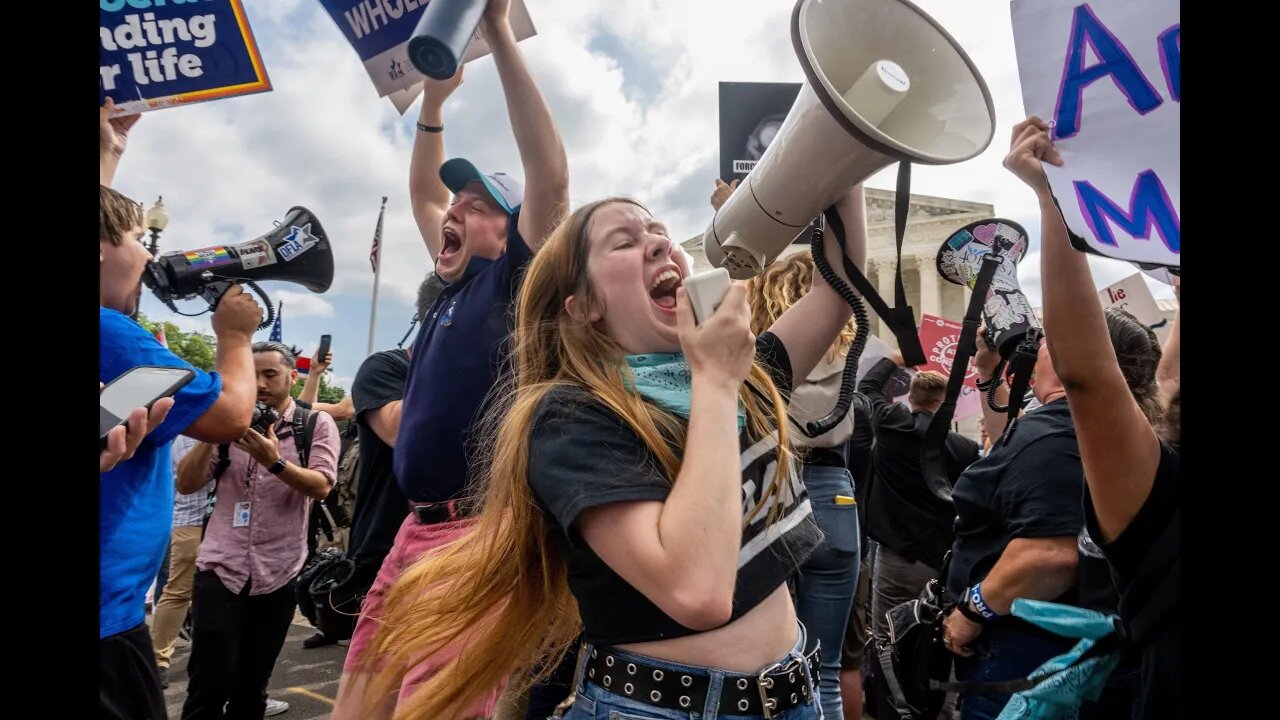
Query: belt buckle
[(767, 704)]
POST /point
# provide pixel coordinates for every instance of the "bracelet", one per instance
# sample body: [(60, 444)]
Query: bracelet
[(430, 128), (974, 616), (975, 594), (987, 385)]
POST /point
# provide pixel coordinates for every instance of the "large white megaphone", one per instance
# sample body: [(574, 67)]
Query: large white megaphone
[(885, 83)]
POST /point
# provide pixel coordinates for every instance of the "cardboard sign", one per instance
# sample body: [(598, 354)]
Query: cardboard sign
[(379, 32), (1106, 75), (154, 54), (750, 116)]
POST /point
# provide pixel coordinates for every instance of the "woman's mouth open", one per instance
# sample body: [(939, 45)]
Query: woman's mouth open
[(663, 289)]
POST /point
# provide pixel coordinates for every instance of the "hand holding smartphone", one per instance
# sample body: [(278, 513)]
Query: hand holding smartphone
[(140, 387)]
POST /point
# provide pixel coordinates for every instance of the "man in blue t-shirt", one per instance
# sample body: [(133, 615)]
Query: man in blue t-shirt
[(135, 505), (481, 230)]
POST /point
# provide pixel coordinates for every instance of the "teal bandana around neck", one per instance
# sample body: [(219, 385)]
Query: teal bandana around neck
[(665, 379)]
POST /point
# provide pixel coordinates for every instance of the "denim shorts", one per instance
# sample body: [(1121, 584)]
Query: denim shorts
[(593, 702)]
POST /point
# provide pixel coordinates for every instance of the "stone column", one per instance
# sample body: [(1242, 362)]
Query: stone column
[(884, 285), (930, 295)]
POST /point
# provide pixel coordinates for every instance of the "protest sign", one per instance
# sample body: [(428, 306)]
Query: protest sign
[(379, 32), (1133, 296), (1106, 75), (154, 54), (750, 115), (939, 337)]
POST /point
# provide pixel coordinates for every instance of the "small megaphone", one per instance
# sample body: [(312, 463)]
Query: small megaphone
[(444, 31), (1006, 312), (296, 251), (1013, 329), (885, 83)]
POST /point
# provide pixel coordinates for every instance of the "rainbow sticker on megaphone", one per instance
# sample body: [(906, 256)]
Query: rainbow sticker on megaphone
[(209, 257)]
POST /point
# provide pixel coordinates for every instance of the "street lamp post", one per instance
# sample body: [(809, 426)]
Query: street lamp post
[(156, 220)]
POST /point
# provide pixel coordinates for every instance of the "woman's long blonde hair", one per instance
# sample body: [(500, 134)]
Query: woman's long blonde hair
[(500, 593), (774, 291)]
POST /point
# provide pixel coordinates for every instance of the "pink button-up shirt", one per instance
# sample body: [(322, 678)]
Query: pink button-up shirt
[(272, 548)]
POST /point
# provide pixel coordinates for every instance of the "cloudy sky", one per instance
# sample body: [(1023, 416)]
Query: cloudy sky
[(632, 85)]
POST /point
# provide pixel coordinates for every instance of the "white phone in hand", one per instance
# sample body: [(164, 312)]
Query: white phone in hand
[(706, 291)]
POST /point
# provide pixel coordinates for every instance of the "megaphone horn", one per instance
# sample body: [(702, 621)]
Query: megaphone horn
[(1006, 312), (885, 83), (296, 250), (442, 36)]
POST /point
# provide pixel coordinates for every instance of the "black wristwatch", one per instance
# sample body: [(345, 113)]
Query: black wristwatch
[(973, 615), (278, 467)]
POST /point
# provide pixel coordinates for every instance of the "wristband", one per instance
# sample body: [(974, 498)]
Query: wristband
[(980, 605)]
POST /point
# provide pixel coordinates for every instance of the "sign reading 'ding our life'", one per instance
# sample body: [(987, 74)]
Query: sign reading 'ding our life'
[(155, 54)]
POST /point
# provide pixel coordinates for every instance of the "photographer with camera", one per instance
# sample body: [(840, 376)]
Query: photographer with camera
[(256, 540), (135, 505)]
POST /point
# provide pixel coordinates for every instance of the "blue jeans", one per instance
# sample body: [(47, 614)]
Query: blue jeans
[(1003, 652), (594, 702), (828, 580), (546, 695)]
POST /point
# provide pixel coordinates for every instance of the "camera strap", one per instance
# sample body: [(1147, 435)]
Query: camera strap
[(302, 433)]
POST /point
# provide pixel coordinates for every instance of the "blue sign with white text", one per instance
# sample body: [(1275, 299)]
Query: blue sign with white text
[(375, 26), (162, 53)]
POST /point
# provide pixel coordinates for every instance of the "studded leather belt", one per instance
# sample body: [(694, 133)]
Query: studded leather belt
[(771, 692)]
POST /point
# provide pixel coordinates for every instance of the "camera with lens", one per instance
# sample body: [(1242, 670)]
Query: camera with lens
[(264, 417)]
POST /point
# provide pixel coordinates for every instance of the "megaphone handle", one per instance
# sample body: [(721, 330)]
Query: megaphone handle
[(214, 290)]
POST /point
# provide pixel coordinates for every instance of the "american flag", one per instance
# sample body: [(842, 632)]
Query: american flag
[(377, 238), (277, 328)]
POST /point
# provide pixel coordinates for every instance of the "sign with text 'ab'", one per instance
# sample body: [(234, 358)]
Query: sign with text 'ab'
[(1106, 75), (155, 54)]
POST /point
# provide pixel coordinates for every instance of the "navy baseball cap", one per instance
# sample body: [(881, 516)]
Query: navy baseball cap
[(504, 189)]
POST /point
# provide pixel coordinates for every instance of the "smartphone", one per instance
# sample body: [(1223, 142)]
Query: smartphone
[(324, 348), (138, 387), (706, 291)]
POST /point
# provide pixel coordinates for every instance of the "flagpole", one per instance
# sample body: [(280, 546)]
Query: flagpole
[(377, 275)]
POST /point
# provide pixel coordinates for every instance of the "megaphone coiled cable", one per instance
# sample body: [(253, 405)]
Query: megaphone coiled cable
[(997, 379), (849, 377)]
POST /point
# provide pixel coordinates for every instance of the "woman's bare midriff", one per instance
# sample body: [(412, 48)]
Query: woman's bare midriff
[(746, 645)]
